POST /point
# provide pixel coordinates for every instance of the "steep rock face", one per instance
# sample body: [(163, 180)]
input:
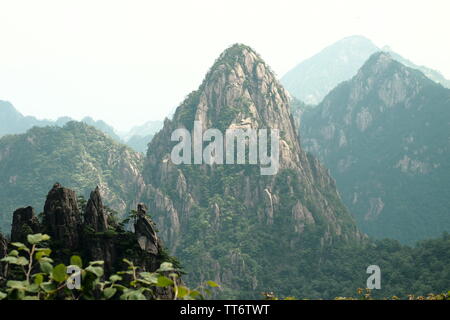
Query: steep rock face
[(385, 137), (77, 155), (211, 216), (62, 217), (24, 222)]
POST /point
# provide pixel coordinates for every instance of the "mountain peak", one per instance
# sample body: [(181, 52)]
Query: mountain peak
[(236, 52), (239, 87), (355, 40), (238, 49), (312, 79), (384, 67), (380, 58), (378, 62), (239, 58)]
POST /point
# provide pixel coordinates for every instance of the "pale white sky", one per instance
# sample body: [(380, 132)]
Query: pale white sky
[(130, 61)]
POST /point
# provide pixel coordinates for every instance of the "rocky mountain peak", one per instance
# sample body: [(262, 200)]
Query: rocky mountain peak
[(62, 216), (95, 215), (239, 92), (382, 66), (382, 82)]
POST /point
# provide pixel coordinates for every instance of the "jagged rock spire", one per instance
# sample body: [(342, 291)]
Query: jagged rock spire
[(95, 215), (62, 218)]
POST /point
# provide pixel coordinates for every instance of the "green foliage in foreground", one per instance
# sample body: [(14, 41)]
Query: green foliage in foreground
[(32, 276)]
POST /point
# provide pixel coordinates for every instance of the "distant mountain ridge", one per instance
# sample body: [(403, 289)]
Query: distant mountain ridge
[(312, 79), (140, 136), (146, 129), (13, 122)]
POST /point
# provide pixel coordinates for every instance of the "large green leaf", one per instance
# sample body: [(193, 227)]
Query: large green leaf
[(48, 286), (108, 293), (38, 237), (164, 281), (46, 267), (59, 273), (20, 285), (76, 261), (97, 271)]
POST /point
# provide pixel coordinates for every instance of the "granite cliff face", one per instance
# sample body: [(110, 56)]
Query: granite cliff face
[(227, 222), (385, 136)]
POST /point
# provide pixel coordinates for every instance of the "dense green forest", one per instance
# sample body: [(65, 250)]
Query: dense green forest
[(407, 273), (77, 155)]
